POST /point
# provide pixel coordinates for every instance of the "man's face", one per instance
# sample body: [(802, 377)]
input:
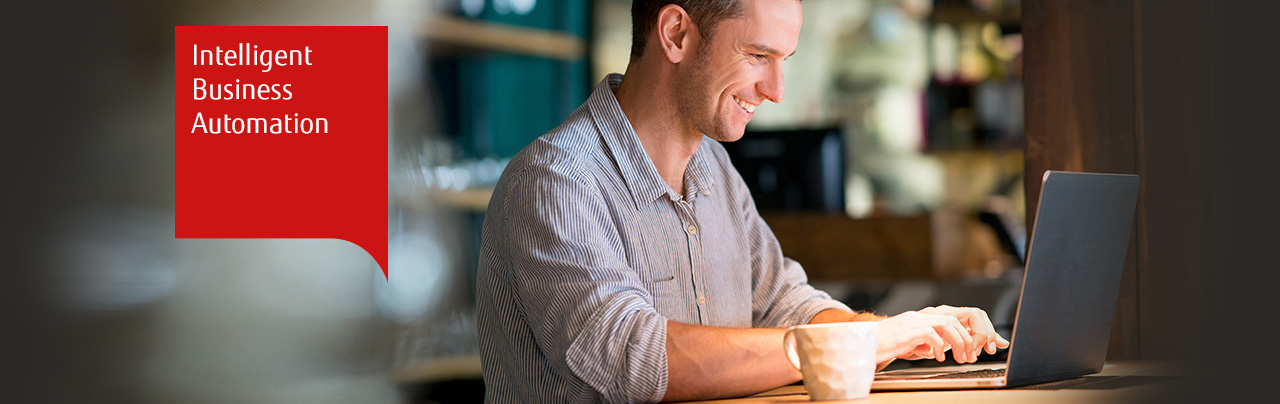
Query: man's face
[(738, 69)]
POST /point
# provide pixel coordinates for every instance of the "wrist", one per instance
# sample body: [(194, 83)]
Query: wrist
[(842, 316)]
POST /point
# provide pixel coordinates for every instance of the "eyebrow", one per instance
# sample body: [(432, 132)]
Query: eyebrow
[(769, 50)]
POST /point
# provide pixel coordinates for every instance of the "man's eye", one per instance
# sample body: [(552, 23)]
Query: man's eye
[(759, 56)]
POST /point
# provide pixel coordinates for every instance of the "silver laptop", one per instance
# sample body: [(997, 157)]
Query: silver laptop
[(1069, 289)]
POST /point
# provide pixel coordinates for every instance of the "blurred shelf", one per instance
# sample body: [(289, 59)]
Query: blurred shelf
[(490, 36), (834, 247), (470, 199), (440, 369)]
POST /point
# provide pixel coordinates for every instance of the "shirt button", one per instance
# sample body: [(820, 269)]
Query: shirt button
[(702, 300), (692, 230)]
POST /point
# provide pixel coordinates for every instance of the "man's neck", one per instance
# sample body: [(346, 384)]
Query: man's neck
[(645, 97)]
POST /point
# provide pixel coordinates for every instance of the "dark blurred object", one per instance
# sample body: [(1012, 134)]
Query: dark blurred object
[(985, 115), (1002, 233), (999, 217), (447, 391), (46, 133), (810, 161)]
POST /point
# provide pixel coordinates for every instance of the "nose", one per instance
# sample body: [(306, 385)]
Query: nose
[(772, 87)]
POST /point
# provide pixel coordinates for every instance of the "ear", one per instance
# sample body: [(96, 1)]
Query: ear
[(676, 33)]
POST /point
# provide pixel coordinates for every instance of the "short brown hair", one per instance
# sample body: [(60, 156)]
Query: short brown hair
[(705, 13)]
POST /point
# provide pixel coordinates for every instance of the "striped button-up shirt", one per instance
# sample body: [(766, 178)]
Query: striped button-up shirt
[(587, 252)]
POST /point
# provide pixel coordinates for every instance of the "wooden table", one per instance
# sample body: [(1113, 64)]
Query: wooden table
[(1159, 376)]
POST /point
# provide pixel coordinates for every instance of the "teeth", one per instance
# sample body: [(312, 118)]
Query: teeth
[(745, 105)]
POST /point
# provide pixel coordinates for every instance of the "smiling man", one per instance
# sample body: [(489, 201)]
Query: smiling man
[(623, 259)]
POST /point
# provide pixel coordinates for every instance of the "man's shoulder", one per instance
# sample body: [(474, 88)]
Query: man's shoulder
[(565, 152), (577, 136)]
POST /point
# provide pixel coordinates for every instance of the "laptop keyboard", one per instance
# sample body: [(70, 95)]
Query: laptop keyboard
[(972, 374)]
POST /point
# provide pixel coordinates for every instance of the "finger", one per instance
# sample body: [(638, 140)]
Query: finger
[(950, 339), (937, 345), (967, 349), (951, 333), (986, 325), (1001, 342), (966, 322), (964, 314), (924, 351), (980, 342), (981, 324), (984, 332)]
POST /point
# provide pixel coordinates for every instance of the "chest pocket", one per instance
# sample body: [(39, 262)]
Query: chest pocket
[(657, 266)]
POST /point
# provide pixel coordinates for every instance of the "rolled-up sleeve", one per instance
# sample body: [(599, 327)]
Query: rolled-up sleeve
[(781, 294), (589, 313), (785, 298)]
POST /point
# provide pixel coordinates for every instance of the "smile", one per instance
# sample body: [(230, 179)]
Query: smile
[(749, 107)]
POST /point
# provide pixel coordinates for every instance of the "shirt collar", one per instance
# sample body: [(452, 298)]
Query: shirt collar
[(697, 176), (637, 169)]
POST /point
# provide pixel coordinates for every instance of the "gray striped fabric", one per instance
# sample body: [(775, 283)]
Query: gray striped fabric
[(586, 253)]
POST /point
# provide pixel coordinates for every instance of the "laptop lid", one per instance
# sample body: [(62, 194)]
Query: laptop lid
[(1072, 281)]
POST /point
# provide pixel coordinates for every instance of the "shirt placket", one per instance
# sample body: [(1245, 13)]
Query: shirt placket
[(693, 238)]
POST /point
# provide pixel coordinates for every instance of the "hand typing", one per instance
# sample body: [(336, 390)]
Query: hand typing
[(929, 333), (979, 326)]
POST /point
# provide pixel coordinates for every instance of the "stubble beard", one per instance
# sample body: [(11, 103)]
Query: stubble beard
[(695, 101)]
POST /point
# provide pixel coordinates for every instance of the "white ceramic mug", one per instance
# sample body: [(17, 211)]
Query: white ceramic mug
[(838, 360)]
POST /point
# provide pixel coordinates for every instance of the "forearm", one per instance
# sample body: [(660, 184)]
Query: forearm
[(712, 362)]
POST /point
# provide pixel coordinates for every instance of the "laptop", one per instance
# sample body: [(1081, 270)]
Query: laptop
[(1069, 289)]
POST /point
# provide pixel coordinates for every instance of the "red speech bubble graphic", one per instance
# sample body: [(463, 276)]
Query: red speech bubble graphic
[(281, 132)]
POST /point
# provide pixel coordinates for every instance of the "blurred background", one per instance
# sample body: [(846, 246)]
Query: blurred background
[(899, 172)]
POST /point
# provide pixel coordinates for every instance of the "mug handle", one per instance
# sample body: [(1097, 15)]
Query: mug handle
[(789, 346)]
